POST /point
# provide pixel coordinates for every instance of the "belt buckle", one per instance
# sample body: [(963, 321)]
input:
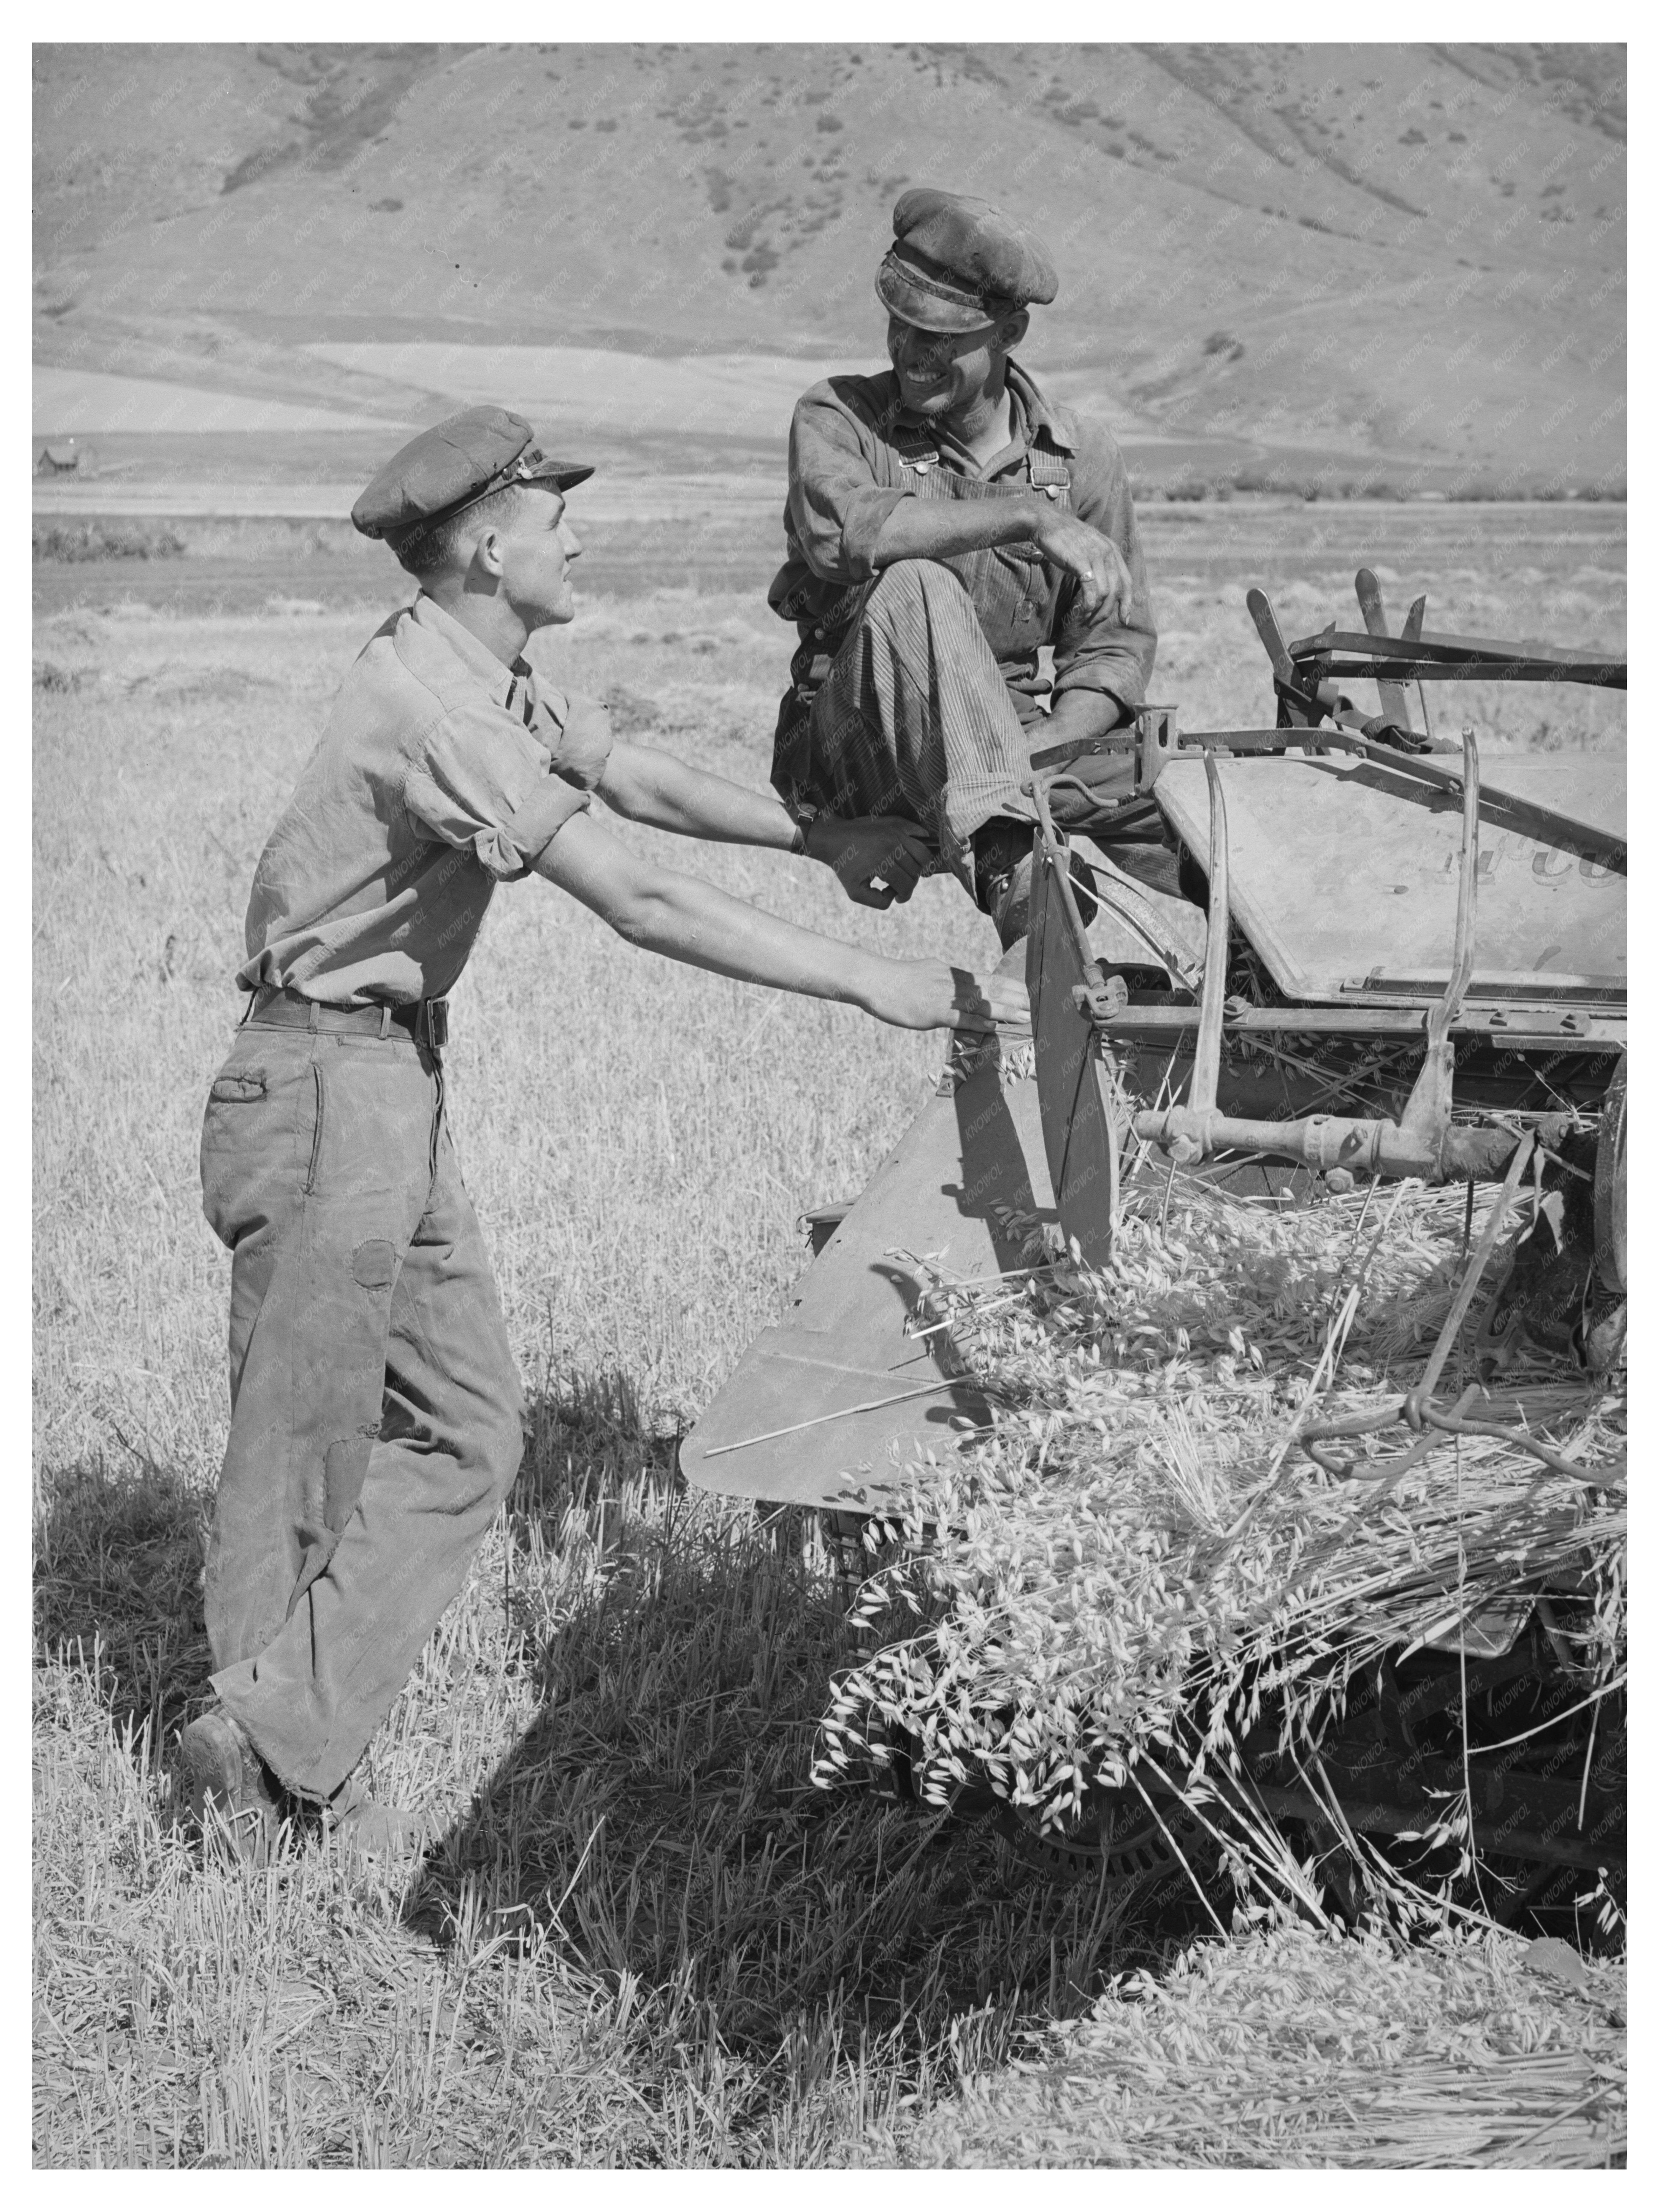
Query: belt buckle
[(434, 1023)]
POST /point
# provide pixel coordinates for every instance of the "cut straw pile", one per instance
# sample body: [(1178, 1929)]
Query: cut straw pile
[(1136, 1562), (1292, 2048)]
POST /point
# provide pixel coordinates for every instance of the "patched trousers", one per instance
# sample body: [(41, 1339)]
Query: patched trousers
[(914, 717), (375, 1404)]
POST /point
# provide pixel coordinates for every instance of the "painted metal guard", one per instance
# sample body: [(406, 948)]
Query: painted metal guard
[(1345, 877), (827, 1406)]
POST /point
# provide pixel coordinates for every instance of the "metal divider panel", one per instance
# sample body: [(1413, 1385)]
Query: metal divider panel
[(785, 1427)]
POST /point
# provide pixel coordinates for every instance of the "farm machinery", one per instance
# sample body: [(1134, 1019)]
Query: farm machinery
[(1387, 958)]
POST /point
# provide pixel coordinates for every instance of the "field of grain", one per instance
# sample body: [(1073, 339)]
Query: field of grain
[(643, 1938)]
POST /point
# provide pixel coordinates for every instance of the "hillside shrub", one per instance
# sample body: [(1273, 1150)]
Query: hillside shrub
[(106, 541)]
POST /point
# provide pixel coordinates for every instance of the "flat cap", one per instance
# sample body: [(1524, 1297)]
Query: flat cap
[(463, 459), (956, 264)]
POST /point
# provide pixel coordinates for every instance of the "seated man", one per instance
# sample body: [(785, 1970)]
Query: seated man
[(943, 521), (374, 1403)]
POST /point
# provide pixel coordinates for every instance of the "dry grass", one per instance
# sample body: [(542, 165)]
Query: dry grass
[(643, 1937)]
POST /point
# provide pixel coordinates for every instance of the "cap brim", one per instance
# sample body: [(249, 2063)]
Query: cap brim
[(925, 310), (557, 475), (562, 475)]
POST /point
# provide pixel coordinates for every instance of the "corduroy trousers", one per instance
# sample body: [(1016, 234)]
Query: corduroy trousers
[(914, 717)]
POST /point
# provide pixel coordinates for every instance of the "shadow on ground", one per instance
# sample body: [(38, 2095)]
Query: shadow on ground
[(119, 1555), (657, 1819)]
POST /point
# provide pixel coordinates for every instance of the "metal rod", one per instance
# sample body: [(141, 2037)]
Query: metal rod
[(1530, 815), (1508, 1023), (1161, 954), (1337, 667), (845, 1413), (1056, 853), (1468, 875), (1364, 1147), (1527, 815), (1414, 1405), (1613, 1476), (1442, 650), (1206, 1058)]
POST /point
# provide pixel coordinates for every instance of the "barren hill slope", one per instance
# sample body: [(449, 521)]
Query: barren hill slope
[(1391, 252)]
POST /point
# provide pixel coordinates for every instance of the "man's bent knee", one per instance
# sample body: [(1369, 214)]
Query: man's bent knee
[(920, 583)]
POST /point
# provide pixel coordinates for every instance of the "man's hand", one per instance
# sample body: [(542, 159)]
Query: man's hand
[(1086, 553), (878, 858), (931, 995)]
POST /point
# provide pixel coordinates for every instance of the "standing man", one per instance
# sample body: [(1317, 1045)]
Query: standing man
[(375, 1408), (943, 521)]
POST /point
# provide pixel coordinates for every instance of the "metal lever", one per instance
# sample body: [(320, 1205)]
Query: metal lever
[(1302, 705), (1410, 630), (1391, 692)]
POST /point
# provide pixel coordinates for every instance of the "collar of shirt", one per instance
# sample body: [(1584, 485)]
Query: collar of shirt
[(506, 685), (1030, 419)]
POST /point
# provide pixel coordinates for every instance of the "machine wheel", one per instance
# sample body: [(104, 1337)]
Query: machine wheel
[(1117, 1829), (1610, 1189)]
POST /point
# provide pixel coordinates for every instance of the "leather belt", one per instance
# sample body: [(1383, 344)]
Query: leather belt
[(426, 1021)]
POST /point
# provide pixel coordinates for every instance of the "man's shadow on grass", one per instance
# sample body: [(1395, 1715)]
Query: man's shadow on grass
[(118, 1587), (658, 1820)]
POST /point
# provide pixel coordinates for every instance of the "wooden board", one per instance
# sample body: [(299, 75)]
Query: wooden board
[(1345, 875), (843, 1342)]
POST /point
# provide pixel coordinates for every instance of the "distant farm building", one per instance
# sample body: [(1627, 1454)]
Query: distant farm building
[(63, 457)]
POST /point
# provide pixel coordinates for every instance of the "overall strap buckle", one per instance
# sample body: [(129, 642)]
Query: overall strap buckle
[(1046, 473)]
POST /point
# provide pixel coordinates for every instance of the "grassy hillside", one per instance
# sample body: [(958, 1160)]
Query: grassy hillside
[(1388, 253)]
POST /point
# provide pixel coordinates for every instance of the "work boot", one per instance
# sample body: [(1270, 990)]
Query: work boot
[(1002, 865), (1002, 875), (235, 1801)]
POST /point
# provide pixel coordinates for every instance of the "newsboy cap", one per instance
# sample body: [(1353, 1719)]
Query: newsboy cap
[(463, 459), (957, 264)]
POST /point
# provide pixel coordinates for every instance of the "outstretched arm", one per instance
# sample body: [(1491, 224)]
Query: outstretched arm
[(687, 920), (650, 786), (647, 785)]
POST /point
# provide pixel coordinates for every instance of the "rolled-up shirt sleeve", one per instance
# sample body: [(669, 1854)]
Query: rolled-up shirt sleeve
[(576, 732), (836, 508), (478, 777), (1098, 654)]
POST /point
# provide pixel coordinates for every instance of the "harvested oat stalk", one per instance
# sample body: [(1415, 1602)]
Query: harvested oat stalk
[(1132, 1595), (1293, 2048)]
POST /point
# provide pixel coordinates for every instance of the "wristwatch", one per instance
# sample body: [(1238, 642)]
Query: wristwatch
[(805, 817)]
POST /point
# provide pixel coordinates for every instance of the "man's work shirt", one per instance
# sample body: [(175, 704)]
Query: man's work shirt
[(855, 450), (441, 774)]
